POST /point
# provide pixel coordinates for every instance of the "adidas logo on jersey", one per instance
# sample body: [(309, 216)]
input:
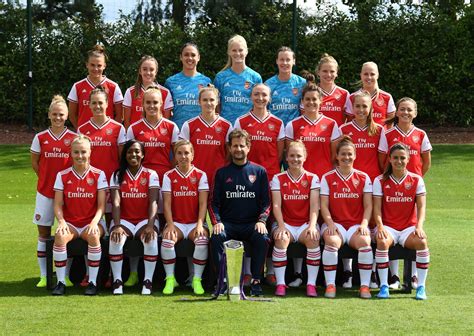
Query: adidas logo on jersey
[(275, 93), (175, 181), (46, 142), (84, 90), (301, 127), (69, 182), (285, 184), (88, 132), (334, 183), (387, 187), (227, 84), (229, 180), (198, 130), (179, 87), (142, 132)]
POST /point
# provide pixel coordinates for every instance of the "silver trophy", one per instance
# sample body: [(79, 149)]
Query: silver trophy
[(234, 251)]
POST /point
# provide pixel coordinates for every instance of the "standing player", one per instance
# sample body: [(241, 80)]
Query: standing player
[(185, 192), (208, 133), (399, 211), (382, 102), (236, 80), (132, 102), (420, 157), (240, 206), (318, 132), (79, 110), (158, 136), (346, 208), (286, 87), (335, 99), (50, 153), (134, 190), (366, 135), (295, 198), (79, 203), (185, 85)]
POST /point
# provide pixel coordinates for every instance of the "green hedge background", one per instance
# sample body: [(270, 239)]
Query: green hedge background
[(421, 53)]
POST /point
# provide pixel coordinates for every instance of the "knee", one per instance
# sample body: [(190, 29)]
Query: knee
[(93, 239), (383, 244)]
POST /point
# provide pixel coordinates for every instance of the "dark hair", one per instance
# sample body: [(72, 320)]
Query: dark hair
[(394, 120), (345, 141), (311, 87), (398, 146), (238, 133), (139, 81), (309, 76), (97, 51), (285, 49), (123, 164), (189, 44), (100, 90)]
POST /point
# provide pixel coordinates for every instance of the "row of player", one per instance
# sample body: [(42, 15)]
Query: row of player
[(234, 82)]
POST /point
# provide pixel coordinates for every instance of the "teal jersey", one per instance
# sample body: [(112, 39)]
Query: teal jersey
[(185, 93), (235, 92), (286, 97)]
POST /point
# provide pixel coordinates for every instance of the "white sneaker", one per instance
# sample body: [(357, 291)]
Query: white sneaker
[(373, 281), (394, 282), (297, 282), (147, 286), (347, 279), (414, 282), (117, 287)]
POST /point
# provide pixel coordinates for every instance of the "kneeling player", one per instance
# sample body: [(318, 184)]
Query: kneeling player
[(79, 204), (399, 212), (185, 191), (295, 195), (134, 206), (346, 207)]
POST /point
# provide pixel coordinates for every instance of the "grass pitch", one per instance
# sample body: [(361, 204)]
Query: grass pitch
[(448, 310)]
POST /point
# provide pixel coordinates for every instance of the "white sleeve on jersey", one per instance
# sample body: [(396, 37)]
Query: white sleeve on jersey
[(35, 145), (228, 132), (391, 105), (420, 188), (166, 184), (130, 135), (122, 136), (315, 184), (383, 144), (426, 145), (368, 184), (281, 134), (289, 131), (336, 132), (114, 182), (72, 96), (275, 183), (184, 133), (348, 104), (203, 184), (377, 188), (324, 186), (153, 181), (175, 135), (168, 103), (58, 184), (102, 181), (118, 97), (237, 124), (127, 99)]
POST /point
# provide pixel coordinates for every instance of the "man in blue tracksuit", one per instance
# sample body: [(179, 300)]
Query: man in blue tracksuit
[(241, 205)]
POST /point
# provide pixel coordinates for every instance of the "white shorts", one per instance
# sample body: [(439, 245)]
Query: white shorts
[(295, 231), (346, 234), (133, 228), (187, 228), (80, 230), (44, 210), (400, 237)]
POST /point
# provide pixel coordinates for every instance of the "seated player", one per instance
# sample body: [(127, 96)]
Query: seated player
[(79, 204), (185, 191), (134, 191)]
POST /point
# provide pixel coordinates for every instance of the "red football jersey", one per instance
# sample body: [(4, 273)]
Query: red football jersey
[(157, 140), (105, 140), (80, 194), (184, 189), (81, 91), (366, 147), (295, 196), (346, 196), (382, 104), (209, 141), (264, 135), (135, 103), (54, 155), (134, 191), (416, 140), (399, 199), (317, 137), (334, 104)]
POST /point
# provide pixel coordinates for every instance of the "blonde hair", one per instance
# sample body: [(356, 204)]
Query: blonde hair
[(360, 83), (80, 139), (233, 39), (57, 100), (371, 126), (208, 88), (326, 58), (183, 142), (297, 144)]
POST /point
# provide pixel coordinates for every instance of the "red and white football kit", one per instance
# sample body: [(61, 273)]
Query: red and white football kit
[(80, 194), (81, 91), (317, 137), (184, 190), (366, 147), (158, 140), (399, 199), (134, 103), (295, 196), (382, 103), (209, 141), (105, 140), (334, 104), (416, 140), (264, 135)]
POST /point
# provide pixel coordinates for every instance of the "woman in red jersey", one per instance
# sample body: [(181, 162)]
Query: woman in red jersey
[(399, 211), (50, 153), (79, 204)]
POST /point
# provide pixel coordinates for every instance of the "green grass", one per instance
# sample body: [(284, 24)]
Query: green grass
[(449, 309)]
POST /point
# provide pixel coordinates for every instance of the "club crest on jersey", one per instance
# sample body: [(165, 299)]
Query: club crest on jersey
[(295, 91), (324, 127), (247, 85), (337, 96), (143, 181), (252, 178), (416, 138), (356, 182), (37, 217), (193, 180), (408, 185), (67, 142), (271, 127), (163, 131), (218, 129), (90, 181), (304, 183), (108, 131), (379, 102)]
